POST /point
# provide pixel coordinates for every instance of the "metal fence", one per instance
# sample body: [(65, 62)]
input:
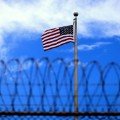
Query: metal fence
[(44, 89)]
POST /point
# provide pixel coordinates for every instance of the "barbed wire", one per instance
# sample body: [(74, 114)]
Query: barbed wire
[(48, 86)]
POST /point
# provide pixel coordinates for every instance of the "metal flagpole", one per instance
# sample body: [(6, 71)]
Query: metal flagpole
[(75, 65)]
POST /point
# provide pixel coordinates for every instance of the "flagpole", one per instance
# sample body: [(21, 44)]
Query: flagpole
[(75, 65)]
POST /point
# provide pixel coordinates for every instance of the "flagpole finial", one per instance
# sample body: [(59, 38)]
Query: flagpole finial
[(75, 14)]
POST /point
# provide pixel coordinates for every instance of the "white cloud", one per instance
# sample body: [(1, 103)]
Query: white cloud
[(88, 47), (93, 46), (38, 15), (3, 48)]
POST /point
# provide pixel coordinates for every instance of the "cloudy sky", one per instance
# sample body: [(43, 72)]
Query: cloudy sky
[(22, 22)]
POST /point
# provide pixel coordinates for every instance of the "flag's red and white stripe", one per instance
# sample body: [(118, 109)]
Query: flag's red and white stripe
[(52, 38)]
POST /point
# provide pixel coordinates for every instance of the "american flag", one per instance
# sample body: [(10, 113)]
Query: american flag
[(57, 36)]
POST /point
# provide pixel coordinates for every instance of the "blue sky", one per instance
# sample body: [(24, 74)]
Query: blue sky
[(22, 22)]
